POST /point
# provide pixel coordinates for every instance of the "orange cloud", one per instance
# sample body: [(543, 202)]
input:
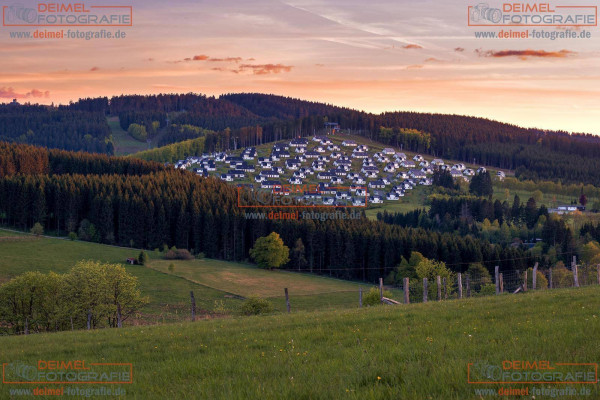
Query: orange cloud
[(415, 66), (94, 69), (523, 54), (9, 93), (433, 59), (220, 69), (201, 57), (227, 59), (264, 69), (412, 46), (459, 49)]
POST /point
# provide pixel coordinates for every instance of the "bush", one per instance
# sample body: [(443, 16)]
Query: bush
[(371, 298), (541, 282), (487, 289), (138, 132), (200, 256), (171, 268), (255, 306), (37, 230), (72, 236), (561, 276), (178, 254), (143, 258), (479, 275)]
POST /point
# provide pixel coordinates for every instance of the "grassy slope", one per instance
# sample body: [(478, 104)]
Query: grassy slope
[(4, 233), (124, 144), (419, 351), (211, 280)]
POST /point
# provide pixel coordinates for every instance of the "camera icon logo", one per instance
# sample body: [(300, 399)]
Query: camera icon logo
[(482, 11), (20, 13)]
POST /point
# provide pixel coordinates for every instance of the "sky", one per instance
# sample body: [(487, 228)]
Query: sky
[(375, 55)]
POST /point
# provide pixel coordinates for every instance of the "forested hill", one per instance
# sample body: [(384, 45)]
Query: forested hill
[(532, 153), (129, 202)]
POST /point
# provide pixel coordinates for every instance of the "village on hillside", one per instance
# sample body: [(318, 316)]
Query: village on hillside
[(344, 170)]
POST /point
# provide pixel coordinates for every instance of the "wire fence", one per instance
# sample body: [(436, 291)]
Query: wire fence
[(463, 285)]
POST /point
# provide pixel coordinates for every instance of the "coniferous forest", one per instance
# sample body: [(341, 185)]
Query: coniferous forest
[(239, 120), (135, 203)]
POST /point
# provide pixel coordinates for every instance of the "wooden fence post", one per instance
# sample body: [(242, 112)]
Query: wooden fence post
[(439, 287), (89, 320), (534, 277), (468, 284), (360, 296), (496, 277), (598, 273), (445, 289), (460, 288), (72, 327), (424, 290), (381, 289), (193, 305), (550, 278), (287, 299), (406, 291), (27, 325), (575, 276), (525, 282), (501, 277)]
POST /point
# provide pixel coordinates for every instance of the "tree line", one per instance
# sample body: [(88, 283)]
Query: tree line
[(159, 207)]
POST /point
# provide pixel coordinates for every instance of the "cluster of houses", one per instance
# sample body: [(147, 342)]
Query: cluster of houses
[(365, 176)]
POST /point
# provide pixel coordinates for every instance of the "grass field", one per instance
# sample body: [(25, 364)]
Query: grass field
[(5, 233), (247, 280), (307, 292), (124, 144), (218, 286), (420, 351)]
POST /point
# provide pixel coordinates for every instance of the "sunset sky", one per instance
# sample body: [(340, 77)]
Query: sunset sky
[(373, 55)]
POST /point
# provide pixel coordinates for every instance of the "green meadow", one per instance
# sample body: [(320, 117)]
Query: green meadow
[(219, 287), (419, 351)]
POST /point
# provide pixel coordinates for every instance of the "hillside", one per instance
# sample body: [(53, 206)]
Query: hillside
[(419, 351), (218, 286), (532, 153)]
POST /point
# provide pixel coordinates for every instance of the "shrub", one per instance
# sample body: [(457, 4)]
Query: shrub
[(138, 132), (541, 282), (171, 268), (200, 256), (255, 306), (487, 289), (479, 275), (72, 236), (561, 277), (178, 254), (371, 298), (143, 258), (37, 230)]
